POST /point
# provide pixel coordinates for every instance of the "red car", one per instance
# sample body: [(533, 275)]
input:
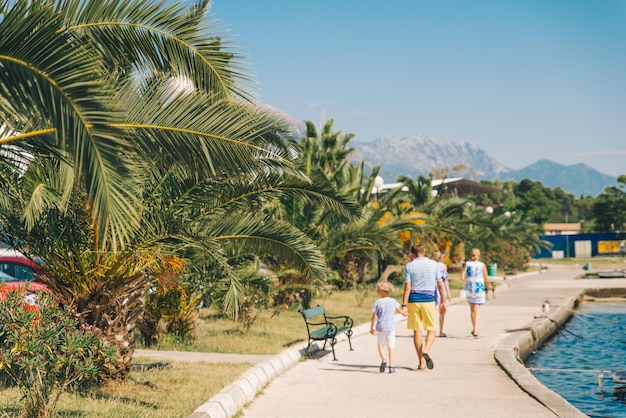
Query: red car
[(16, 273), (17, 265)]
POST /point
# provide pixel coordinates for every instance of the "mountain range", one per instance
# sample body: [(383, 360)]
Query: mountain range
[(420, 155)]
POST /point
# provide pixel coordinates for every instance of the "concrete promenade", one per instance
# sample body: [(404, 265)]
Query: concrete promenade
[(472, 377)]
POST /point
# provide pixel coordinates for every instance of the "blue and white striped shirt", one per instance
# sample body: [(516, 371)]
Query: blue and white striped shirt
[(423, 274)]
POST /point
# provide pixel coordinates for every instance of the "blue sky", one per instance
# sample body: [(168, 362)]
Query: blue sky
[(524, 80)]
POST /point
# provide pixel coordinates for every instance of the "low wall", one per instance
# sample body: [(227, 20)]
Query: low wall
[(515, 348), (606, 293)]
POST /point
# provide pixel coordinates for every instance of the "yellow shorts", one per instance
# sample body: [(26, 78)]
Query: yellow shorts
[(421, 316)]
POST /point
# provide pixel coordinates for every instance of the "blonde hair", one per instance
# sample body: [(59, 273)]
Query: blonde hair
[(475, 254), (385, 287)]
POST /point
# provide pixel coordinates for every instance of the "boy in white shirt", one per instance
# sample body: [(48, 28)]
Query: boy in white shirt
[(384, 324)]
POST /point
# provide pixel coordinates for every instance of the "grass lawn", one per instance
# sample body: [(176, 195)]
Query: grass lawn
[(168, 393), (271, 334), (178, 391)]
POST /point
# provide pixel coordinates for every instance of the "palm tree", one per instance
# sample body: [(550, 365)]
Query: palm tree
[(70, 72), (232, 224), (508, 239), (352, 246), (326, 150), (349, 243), (437, 216), (127, 131), (184, 220)]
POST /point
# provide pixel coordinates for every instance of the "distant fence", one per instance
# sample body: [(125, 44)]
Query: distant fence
[(584, 245)]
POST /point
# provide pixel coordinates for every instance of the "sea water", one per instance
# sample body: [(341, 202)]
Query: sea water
[(580, 360)]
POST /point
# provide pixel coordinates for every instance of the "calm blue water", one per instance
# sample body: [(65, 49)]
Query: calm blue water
[(593, 343)]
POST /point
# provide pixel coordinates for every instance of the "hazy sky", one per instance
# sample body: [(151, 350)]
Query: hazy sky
[(524, 80)]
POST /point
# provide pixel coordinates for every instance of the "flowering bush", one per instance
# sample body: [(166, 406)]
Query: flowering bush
[(44, 352)]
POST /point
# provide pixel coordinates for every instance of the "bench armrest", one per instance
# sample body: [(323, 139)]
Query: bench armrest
[(347, 321)]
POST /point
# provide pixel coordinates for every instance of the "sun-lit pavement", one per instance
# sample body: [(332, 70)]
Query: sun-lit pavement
[(465, 382)]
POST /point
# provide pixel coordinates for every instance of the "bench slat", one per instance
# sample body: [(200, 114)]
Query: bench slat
[(311, 312), (322, 333)]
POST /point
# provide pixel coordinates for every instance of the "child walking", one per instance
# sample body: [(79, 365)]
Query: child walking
[(384, 324)]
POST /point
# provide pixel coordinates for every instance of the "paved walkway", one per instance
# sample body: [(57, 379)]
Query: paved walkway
[(471, 378)]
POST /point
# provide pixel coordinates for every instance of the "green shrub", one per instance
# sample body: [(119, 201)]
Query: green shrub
[(44, 353), (169, 311), (294, 291), (507, 256), (259, 292)]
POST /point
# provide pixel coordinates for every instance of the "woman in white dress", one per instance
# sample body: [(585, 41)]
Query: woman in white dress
[(476, 285)]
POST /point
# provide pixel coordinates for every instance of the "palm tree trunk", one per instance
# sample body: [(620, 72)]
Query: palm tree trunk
[(114, 308)]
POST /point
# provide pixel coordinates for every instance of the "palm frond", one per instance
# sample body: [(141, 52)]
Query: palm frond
[(195, 131), (164, 37), (53, 88), (260, 235)]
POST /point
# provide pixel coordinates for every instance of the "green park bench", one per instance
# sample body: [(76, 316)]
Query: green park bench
[(320, 327)]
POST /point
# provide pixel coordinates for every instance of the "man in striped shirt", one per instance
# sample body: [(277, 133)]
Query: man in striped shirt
[(421, 277)]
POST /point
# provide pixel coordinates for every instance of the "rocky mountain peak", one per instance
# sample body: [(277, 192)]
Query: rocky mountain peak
[(420, 155)]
